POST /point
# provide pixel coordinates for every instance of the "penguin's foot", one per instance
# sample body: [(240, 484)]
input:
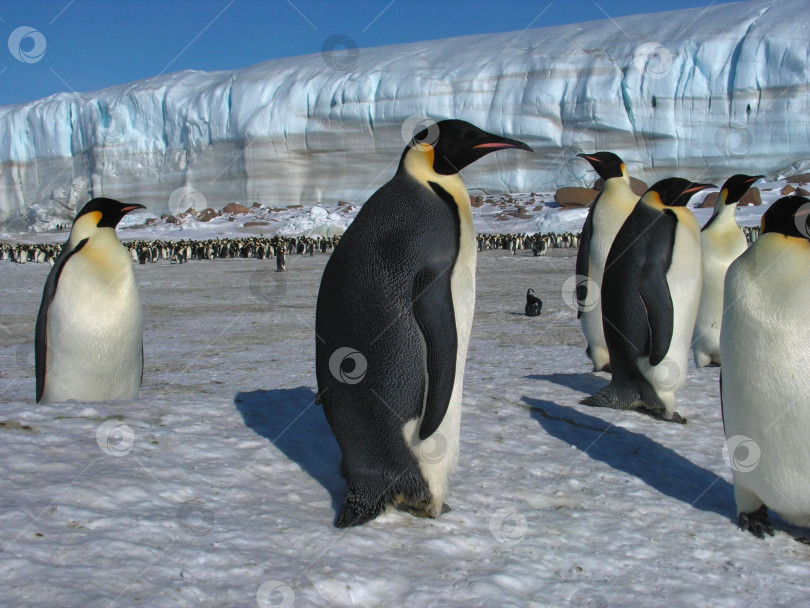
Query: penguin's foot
[(660, 413), (756, 522), (611, 398), (361, 505), (424, 509)]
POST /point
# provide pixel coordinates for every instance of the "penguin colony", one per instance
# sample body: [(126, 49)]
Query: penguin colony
[(262, 248), (395, 308)]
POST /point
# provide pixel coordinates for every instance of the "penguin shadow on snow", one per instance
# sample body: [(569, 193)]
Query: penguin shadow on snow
[(291, 421), (584, 383), (659, 467)]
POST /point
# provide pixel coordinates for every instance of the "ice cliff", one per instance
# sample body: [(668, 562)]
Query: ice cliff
[(701, 92)]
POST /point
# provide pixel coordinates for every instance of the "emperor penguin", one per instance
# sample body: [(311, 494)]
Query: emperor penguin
[(721, 242), (89, 332), (392, 325), (650, 295), (606, 215), (765, 349)]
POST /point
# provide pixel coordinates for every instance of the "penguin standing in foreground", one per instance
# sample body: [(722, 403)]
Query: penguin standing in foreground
[(650, 295), (393, 322), (89, 333), (722, 242), (606, 215), (765, 348)]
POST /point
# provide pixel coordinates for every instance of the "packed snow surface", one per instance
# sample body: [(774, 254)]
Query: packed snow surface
[(702, 93), (218, 485)]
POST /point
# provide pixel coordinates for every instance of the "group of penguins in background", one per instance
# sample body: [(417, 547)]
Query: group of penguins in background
[(262, 247), (395, 308)]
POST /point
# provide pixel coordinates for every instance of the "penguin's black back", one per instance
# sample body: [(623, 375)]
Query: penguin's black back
[(636, 269), (392, 264)]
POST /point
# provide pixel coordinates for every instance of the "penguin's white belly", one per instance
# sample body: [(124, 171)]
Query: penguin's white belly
[(607, 220), (438, 454), (684, 280), (95, 333), (720, 249), (765, 346)]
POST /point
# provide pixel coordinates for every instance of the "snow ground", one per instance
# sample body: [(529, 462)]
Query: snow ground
[(218, 485)]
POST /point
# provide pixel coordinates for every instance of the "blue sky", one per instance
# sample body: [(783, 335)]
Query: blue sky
[(84, 45)]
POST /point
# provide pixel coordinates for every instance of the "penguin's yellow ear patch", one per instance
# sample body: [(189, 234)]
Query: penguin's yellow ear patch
[(427, 150), (655, 199), (95, 216)]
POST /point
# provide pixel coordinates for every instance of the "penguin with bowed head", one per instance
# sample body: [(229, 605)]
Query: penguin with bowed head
[(721, 242), (393, 322), (764, 387), (650, 295), (89, 332)]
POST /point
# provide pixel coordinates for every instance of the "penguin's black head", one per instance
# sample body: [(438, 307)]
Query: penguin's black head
[(675, 191), (737, 185), (790, 215), (454, 144), (606, 164), (109, 211)]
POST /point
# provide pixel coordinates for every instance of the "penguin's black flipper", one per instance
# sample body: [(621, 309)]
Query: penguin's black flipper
[(582, 258), (433, 309), (41, 339), (660, 313), (655, 294)]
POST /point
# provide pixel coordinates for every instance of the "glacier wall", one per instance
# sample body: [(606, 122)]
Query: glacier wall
[(701, 93)]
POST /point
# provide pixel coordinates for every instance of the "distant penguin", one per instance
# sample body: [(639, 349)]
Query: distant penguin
[(89, 333), (765, 349), (606, 215), (393, 322), (281, 260), (721, 241), (650, 296), (533, 304)]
